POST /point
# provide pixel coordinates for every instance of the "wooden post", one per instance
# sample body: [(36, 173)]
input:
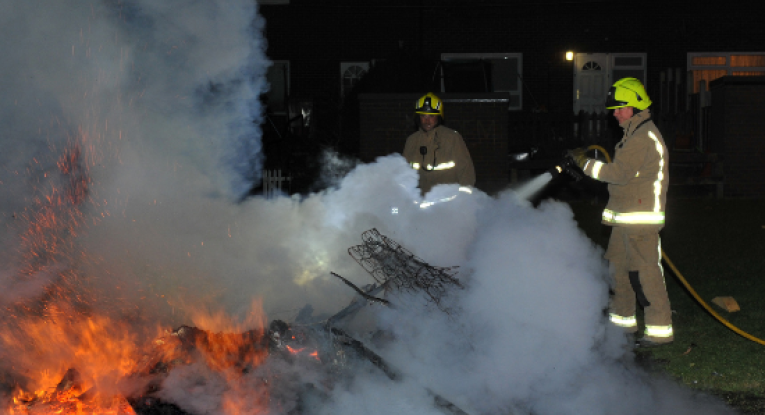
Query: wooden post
[(662, 91), (701, 137), (688, 90), (670, 81), (279, 180), (597, 128), (273, 182), (266, 182), (575, 122), (678, 77)]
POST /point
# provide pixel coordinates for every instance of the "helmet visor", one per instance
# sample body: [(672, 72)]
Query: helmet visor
[(428, 105), (612, 102)]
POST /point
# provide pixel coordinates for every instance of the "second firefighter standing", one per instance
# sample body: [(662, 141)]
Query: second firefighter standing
[(637, 186), (438, 153)]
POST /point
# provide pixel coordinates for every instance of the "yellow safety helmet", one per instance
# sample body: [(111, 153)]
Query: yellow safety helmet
[(628, 92), (429, 104)]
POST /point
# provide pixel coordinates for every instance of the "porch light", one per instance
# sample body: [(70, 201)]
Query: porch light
[(569, 56)]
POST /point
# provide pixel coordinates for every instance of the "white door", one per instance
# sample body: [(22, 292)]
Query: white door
[(594, 73), (591, 82)]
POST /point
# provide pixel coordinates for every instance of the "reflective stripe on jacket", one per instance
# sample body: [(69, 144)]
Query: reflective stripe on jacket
[(638, 176), (446, 159)]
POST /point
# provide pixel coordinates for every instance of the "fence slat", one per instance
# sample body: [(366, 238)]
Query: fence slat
[(273, 183)]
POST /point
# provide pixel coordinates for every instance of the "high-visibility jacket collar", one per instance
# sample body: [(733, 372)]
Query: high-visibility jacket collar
[(635, 121)]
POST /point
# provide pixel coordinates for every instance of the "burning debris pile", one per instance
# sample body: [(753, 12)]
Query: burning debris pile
[(263, 359), (69, 397)]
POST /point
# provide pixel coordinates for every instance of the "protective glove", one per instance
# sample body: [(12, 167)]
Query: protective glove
[(579, 155)]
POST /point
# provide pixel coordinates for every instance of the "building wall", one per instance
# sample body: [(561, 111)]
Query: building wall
[(316, 36), (387, 120), (739, 128)]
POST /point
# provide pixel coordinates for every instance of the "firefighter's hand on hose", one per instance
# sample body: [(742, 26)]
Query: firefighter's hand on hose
[(579, 155)]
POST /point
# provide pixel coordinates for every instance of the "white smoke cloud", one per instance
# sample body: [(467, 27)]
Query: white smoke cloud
[(160, 97), (530, 333)]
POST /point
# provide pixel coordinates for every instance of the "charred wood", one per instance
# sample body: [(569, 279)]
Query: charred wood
[(153, 406), (447, 406), (367, 353), (70, 381), (442, 403), (183, 344), (361, 293), (330, 352), (355, 306), (338, 350)]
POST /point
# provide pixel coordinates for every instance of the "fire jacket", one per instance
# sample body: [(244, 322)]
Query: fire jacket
[(445, 160), (638, 176)]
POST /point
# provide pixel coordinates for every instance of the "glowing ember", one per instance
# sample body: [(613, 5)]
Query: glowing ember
[(314, 354), (49, 226), (295, 351)]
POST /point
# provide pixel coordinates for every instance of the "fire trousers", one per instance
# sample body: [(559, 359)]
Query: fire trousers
[(635, 257)]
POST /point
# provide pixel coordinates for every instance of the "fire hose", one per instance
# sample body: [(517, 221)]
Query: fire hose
[(685, 283)]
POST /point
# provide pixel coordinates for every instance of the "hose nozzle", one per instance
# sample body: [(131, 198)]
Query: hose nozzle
[(568, 166)]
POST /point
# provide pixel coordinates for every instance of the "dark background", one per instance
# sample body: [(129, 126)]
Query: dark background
[(405, 40)]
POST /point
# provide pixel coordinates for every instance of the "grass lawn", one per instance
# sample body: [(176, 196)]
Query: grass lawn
[(719, 247)]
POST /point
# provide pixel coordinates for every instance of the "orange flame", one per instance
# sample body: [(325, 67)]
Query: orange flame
[(227, 342), (104, 352), (228, 346), (98, 348), (48, 342)]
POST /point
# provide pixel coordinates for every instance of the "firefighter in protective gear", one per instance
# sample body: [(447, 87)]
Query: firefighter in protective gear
[(637, 186), (438, 153)]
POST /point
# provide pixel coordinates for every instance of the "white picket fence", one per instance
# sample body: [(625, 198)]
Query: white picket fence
[(274, 183)]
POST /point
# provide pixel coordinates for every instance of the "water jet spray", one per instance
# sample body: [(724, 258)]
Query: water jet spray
[(566, 165)]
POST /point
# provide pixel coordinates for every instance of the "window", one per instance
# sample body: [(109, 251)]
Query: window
[(708, 66), (484, 72), (628, 65), (278, 77), (350, 74)]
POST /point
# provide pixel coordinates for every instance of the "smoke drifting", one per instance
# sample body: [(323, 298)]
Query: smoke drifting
[(529, 335), (160, 98)]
